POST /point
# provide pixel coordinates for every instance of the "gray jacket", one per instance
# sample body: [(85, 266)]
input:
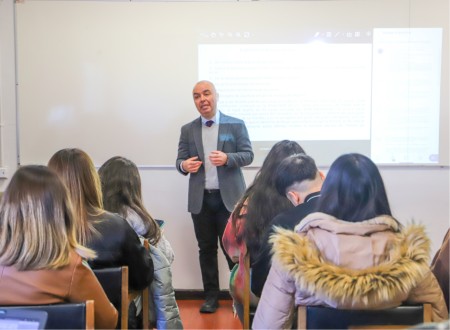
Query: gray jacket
[(163, 307), (233, 140)]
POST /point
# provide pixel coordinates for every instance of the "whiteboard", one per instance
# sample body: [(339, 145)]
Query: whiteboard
[(116, 77)]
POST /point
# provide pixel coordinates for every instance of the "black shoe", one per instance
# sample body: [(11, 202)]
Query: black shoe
[(209, 306)]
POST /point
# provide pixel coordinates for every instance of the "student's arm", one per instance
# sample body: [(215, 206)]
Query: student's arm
[(276, 306), (429, 291), (85, 286), (229, 241), (183, 149), (137, 258), (440, 267)]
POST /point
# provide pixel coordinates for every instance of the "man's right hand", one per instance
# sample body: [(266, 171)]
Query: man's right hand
[(191, 165)]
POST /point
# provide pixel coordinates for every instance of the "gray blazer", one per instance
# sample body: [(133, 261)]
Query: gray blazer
[(234, 141)]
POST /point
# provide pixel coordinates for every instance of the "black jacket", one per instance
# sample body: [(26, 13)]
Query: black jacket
[(117, 244), (288, 220)]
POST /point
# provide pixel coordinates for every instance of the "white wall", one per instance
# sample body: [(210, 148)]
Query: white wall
[(126, 59), (419, 193), (8, 152)]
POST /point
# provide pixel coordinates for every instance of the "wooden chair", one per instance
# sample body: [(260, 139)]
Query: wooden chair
[(64, 316), (249, 312), (145, 297), (114, 281), (402, 317)]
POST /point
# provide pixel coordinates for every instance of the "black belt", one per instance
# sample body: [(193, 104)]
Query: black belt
[(212, 191)]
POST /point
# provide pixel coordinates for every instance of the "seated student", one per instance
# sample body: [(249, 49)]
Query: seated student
[(251, 217), (121, 187), (298, 178), (41, 261), (350, 254), (440, 267), (108, 234)]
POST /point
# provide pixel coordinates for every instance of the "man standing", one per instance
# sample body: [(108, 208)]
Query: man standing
[(297, 178), (212, 149)]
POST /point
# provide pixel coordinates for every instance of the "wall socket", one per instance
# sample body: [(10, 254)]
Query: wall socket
[(3, 173)]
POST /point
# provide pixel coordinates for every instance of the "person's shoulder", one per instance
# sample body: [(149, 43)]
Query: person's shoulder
[(190, 126), (287, 218), (76, 266), (109, 216), (292, 217), (131, 215), (117, 218), (120, 228), (230, 119), (109, 219), (75, 260)]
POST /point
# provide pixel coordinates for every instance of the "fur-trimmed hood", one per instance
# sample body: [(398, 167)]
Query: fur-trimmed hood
[(390, 276)]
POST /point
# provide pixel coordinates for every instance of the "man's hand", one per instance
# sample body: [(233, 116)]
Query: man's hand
[(191, 165), (218, 158)]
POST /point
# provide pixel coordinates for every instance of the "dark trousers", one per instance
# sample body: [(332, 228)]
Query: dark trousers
[(209, 226)]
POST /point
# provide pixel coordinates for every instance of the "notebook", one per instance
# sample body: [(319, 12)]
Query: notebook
[(16, 318)]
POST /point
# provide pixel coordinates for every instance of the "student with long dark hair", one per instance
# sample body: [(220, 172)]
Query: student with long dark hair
[(350, 254), (251, 217), (122, 194)]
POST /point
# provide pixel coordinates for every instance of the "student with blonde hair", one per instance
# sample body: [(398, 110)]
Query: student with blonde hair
[(108, 234), (41, 261), (122, 192)]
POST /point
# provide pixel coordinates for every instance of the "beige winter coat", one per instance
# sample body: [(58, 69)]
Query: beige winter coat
[(365, 265)]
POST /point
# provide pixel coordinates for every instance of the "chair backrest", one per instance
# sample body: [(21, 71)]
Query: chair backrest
[(320, 317), (114, 281), (144, 295), (64, 316), (247, 317)]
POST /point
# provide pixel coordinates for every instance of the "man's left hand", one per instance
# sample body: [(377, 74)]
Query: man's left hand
[(218, 158)]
